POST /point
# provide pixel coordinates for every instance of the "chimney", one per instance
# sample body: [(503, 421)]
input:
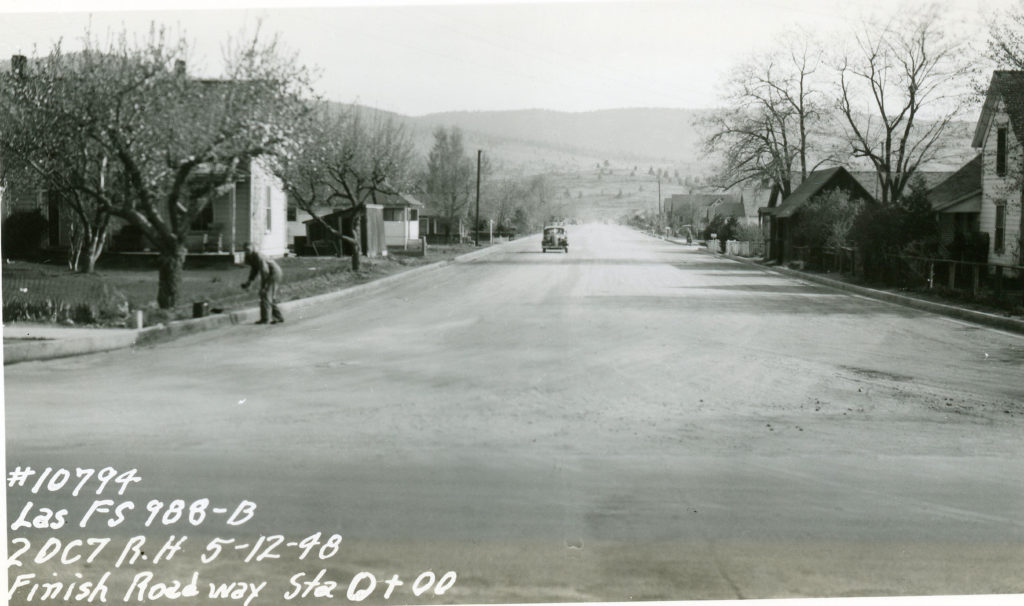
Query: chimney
[(179, 67), (19, 65)]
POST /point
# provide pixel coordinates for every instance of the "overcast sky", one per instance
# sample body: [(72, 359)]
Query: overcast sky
[(417, 58)]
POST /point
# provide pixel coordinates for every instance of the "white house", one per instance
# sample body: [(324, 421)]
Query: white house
[(1000, 136)]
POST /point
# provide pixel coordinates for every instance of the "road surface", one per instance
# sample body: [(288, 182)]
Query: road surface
[(634, 420)]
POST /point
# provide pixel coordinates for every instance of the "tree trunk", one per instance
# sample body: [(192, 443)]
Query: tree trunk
[(74, 255), (87, 241), (356, 243), (171, 265), (93, 254), (76, 242)]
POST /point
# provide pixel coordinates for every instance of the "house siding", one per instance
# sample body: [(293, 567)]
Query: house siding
[(1006, 188), (222, 221), (243, 213), (399, 233), (254, 197)]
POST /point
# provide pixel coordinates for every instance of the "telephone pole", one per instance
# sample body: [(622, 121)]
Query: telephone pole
[(476, 227), (661, 212)]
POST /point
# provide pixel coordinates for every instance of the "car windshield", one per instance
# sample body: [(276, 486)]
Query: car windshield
[(554, 231)]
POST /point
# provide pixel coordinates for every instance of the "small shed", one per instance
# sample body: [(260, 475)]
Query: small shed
[(320, 241)]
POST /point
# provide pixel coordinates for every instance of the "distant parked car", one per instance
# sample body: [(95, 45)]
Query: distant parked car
[(555, 237)]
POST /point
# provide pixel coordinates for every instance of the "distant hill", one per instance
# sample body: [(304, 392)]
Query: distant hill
[(650, 134), (542, 140)]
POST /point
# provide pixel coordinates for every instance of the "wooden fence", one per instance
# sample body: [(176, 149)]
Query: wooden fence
[(971, 279)]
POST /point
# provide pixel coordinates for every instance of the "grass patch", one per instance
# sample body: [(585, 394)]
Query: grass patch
[(42, 292)]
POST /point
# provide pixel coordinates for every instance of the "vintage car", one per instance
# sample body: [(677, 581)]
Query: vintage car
[(554, 237)]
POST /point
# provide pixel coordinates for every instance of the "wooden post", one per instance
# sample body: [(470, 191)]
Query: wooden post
[(974, 280), (999, 281), (952, 275)]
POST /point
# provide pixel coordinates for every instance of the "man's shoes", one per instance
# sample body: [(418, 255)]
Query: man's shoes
[(281, 321), (260, 322)]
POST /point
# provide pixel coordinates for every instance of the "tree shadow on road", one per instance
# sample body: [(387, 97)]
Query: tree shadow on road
[(565, 260), (768, 288), (764, 303)]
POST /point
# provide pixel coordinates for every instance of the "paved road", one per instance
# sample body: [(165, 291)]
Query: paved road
[(633, 420)]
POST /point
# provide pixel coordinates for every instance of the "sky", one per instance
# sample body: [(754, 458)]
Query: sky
[(417, 57)]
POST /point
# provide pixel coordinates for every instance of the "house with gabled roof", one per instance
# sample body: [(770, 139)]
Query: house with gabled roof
[(780, 218), (999, 135)]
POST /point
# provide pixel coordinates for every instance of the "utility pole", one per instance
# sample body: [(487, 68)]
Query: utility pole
[(479, 156), (661, 212)]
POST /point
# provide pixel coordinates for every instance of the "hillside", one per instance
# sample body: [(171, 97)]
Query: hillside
[(642, 134), (536, 141)]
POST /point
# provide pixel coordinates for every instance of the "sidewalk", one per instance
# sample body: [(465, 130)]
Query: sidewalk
[(24, 342), (946, 309)]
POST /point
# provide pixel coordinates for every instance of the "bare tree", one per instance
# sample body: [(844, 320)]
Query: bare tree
[(899, 89), (343, 160), (767, 131)]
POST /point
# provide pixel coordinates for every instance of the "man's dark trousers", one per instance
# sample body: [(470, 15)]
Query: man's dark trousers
[(268, 300)]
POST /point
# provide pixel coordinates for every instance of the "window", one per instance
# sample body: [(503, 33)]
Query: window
[(998, 241), (1001, 152), (414, 215), (293, 211), (393, 214)]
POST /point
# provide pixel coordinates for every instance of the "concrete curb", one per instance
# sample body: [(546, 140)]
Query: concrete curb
[(952, 311), (15, 351), (44, 349), (310, 305)]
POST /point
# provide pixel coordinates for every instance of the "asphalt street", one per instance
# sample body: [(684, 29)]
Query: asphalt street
[(632, 420)]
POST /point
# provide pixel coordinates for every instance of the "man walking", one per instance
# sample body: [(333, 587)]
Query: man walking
[(270, 276)]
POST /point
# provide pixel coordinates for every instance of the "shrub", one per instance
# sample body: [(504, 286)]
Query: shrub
[(826, 221), (883, 230), (748, 232), (87, 305)]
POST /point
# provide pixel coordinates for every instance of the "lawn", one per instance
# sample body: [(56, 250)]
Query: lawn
[(48, 292)]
